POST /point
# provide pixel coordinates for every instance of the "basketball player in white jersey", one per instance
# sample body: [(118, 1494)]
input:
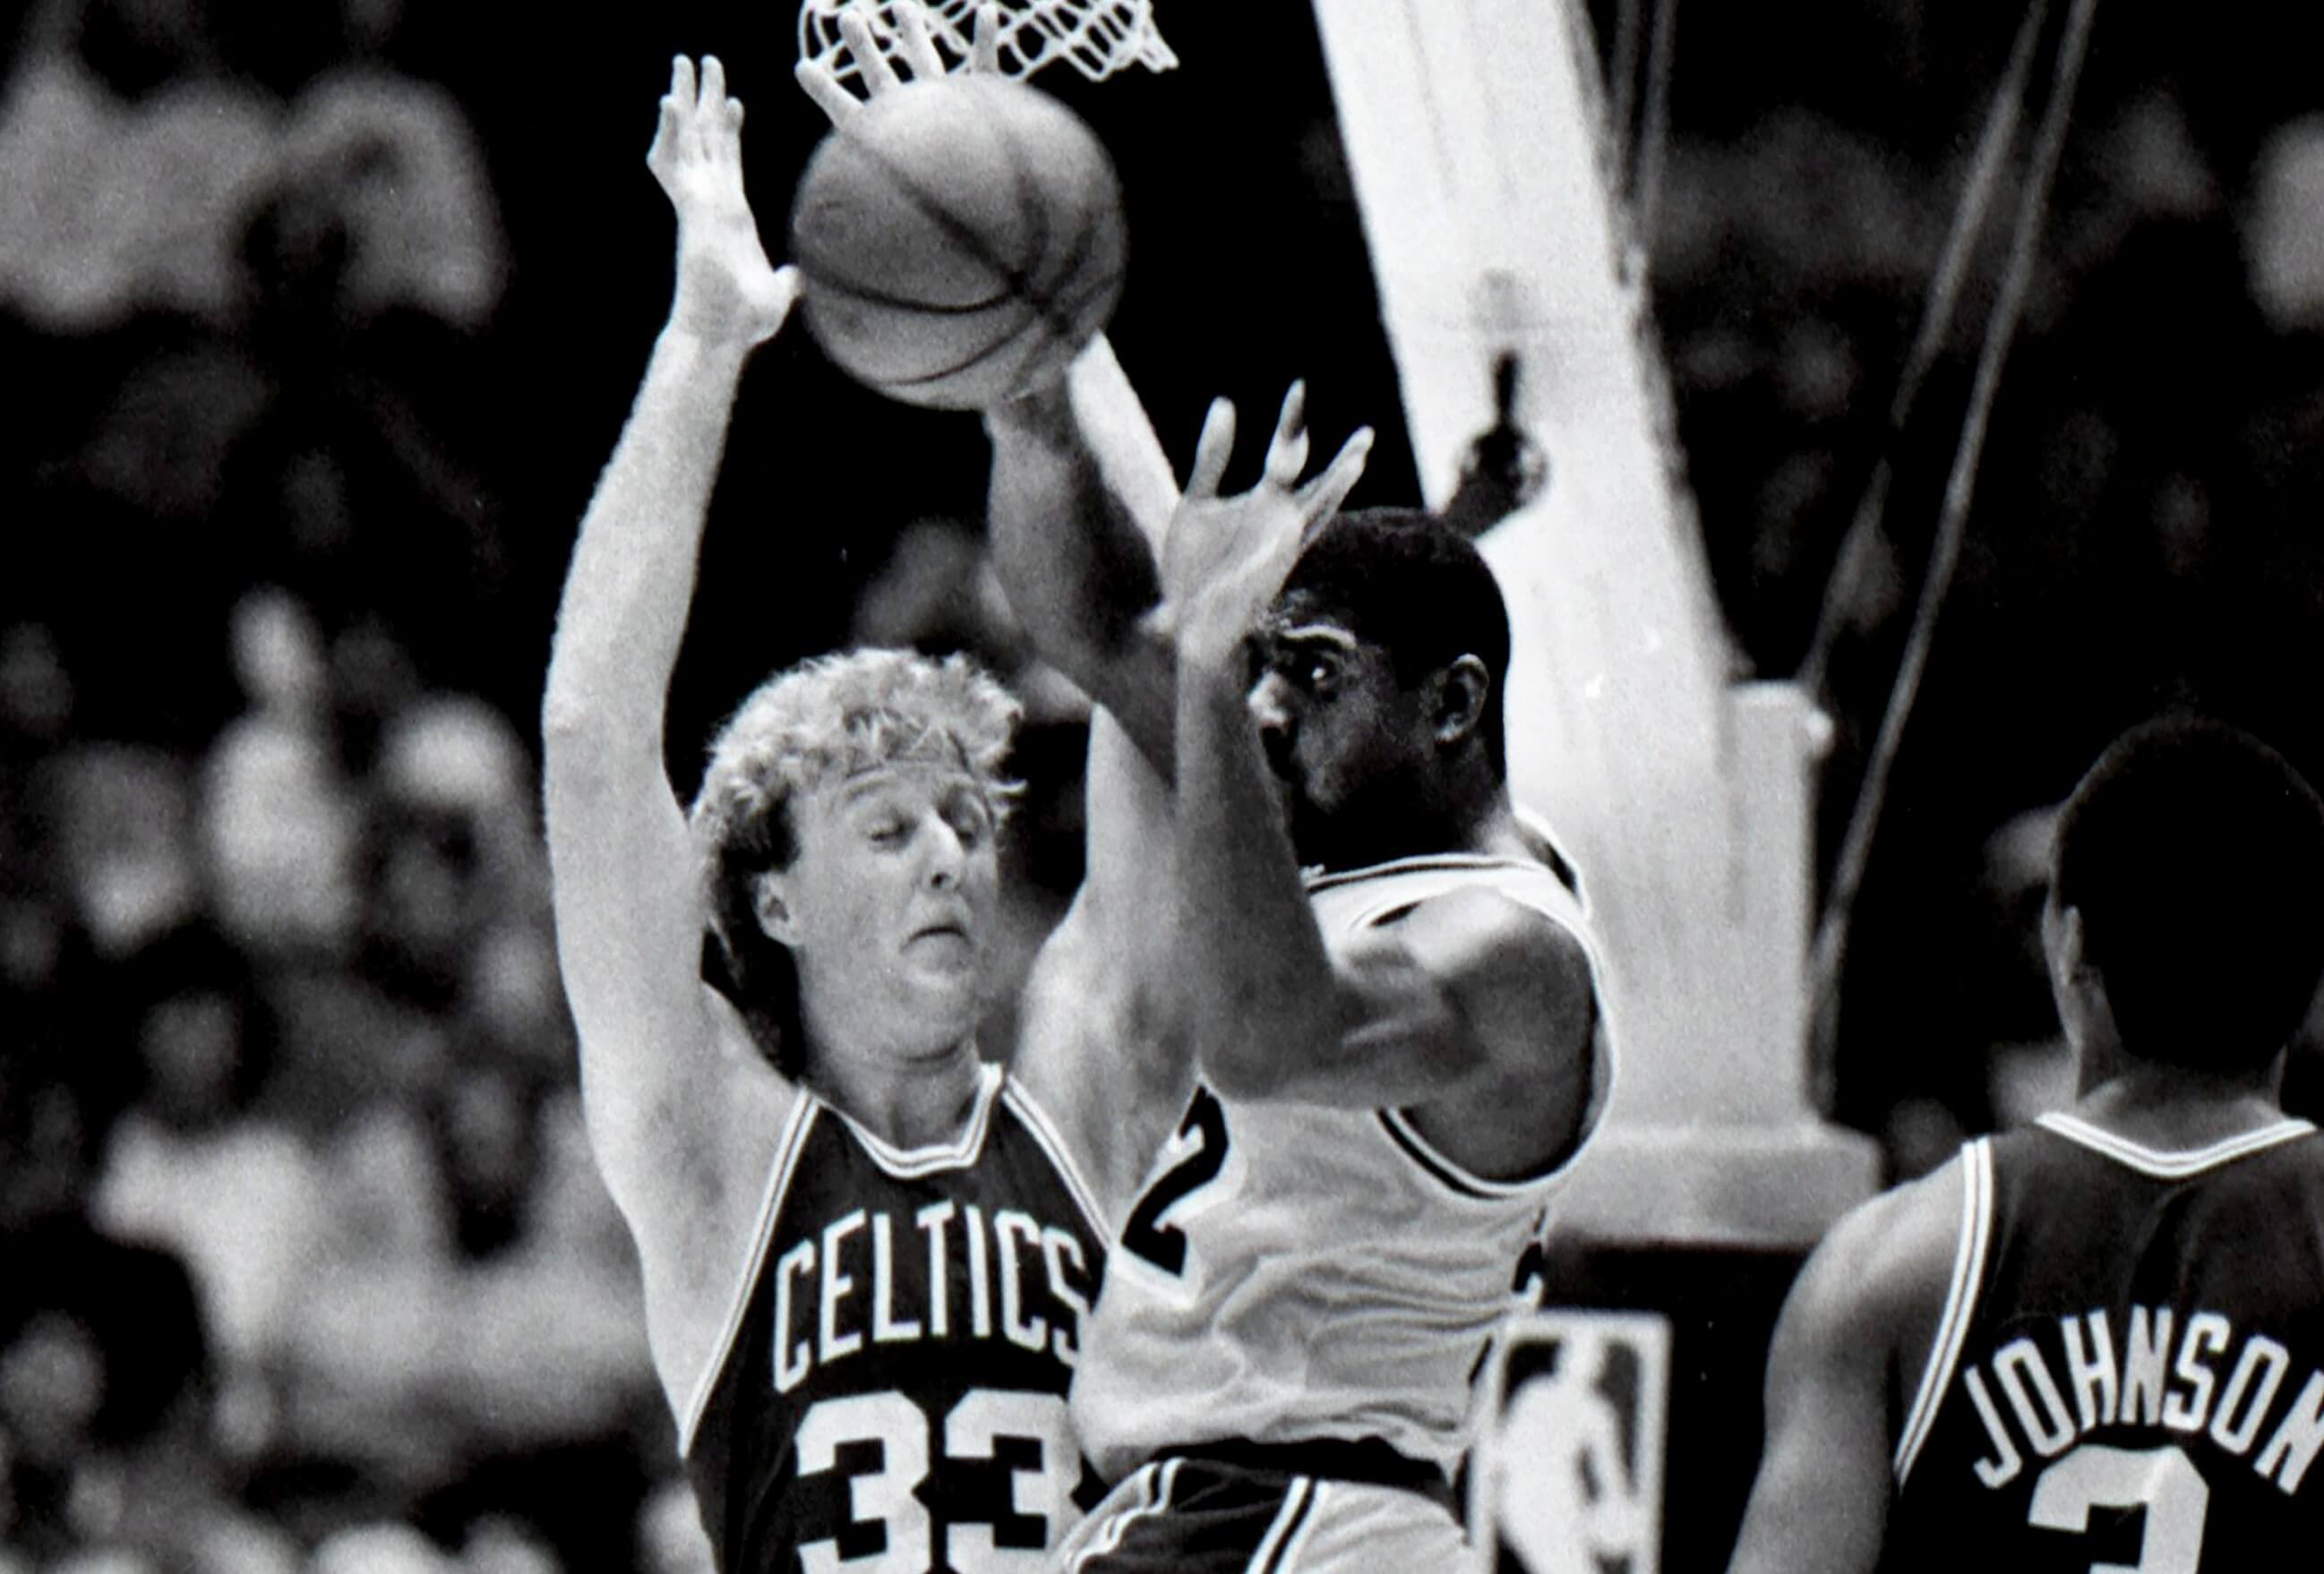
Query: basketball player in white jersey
[(868, 1253), (1391, 986), (2097, 1342)]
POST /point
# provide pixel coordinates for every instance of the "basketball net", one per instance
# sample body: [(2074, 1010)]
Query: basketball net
[(1100, 37)]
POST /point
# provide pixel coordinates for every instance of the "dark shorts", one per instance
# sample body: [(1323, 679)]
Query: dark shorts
[(1259, 1509)]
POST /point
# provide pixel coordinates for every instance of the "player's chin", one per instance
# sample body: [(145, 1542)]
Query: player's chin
[(949, 985)]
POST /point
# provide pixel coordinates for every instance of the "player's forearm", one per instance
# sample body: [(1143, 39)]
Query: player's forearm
[(1077, 568), (631, 580), (1255, 981)]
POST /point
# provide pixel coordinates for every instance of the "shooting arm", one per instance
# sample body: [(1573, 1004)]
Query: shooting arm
[(1076, 516), (1096, 1048)]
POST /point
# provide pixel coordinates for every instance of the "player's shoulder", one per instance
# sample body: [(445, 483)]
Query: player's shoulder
[(1484, 937), (1886, 1265)]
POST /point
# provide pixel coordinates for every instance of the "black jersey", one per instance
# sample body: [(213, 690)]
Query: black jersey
[(892, 1388), (2128, 1372)]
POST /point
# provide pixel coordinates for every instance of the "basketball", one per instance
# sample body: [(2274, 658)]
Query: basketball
[(959, 240)]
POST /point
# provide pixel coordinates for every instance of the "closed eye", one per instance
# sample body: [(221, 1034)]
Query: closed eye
[(968, 818)]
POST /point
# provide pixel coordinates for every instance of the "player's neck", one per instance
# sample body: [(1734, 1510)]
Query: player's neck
[(2165, 1108), (918, 1101), (1427, 825)]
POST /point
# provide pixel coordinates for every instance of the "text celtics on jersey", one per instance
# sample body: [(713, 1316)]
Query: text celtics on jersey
[(1008, 1275)]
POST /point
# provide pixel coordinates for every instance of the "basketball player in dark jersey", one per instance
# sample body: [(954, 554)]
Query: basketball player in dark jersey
[(867, 1253), (2096, 1343)]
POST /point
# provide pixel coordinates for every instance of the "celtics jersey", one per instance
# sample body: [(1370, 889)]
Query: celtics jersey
[(1294, 1273), (2129, 1368), (894, 1376)]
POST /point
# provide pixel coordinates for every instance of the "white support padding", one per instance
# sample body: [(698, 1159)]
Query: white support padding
[(1474, 136)]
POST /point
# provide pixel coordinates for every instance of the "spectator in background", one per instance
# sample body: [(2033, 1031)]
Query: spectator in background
[(103, 1368), (189, 1167), (277, 819)]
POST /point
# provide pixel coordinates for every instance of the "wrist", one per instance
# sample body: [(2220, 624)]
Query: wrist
[(1045, 416), (1210, 645), (705, 346)]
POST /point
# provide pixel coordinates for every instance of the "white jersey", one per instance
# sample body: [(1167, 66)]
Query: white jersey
[(1293, 1272)]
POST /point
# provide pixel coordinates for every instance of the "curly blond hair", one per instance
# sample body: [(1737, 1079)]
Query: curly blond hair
[(828, 716)]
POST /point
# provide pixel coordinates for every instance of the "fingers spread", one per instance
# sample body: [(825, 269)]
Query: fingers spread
[(1322, 497), (835, 101), (1212, 449), (1287, 453), (912, 38), (863, 44)]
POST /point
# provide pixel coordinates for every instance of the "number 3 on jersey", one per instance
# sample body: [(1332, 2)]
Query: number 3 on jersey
[(1145, 1235), (886, 1494), (2163, 1481)]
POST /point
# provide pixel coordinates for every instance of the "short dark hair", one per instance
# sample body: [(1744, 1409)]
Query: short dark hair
[(2195, 853), (1404, 580)]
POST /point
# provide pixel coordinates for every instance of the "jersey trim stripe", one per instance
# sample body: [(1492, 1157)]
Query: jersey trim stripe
[(1461, 1181), (1421, 864), (1275, 1547), (2166, 1165), (1159, 1483), (1961, 1304), (795, 1126), (1037, 1123), (1556, 864), (1446, 1173), (907, 1164)]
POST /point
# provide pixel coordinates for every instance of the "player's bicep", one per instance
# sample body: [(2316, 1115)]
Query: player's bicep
[(629, 939), (1453, 999)]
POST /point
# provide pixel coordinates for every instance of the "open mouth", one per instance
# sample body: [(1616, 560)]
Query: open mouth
[(1278, 748)]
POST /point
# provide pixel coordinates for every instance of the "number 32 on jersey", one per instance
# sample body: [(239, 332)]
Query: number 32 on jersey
[(887, 1494)]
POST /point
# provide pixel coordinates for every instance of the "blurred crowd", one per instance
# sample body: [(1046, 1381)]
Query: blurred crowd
[(303, 1265)]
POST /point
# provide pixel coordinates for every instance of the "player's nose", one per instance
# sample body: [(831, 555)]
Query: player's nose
[(943, 857), (1270, 702)]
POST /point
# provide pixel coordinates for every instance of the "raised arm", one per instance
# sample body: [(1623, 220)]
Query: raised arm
[(679, 1111), (1079, 572), (1082, 498)]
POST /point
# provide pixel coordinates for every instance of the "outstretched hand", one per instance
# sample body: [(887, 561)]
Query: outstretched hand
[(1225, 557), (727, 291), (912, 40)]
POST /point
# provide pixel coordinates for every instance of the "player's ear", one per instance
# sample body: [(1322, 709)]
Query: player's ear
[(1457, 704), (2062, 939), (771, 900)]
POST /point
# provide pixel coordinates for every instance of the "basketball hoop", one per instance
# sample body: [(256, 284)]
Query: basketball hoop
[(1100, 37)]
